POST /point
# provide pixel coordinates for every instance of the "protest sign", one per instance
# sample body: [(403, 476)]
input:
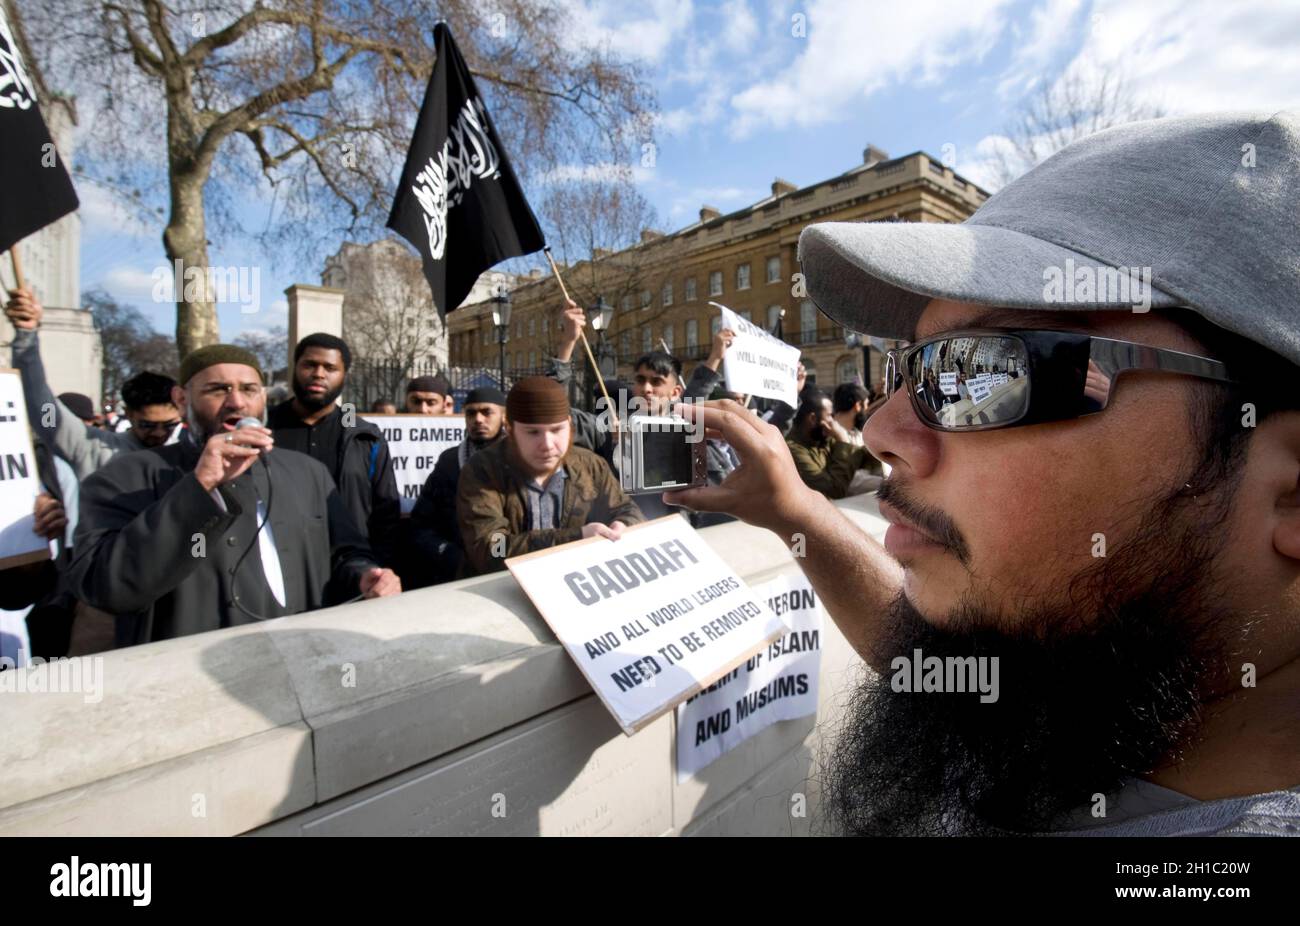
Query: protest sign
[(415, 442), (757, 363), (651, 618), (948, 383), (980, 387), (19, 482), (778, 683)]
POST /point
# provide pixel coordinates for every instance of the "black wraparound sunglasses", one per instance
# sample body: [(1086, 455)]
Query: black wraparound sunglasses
[(985, 378)]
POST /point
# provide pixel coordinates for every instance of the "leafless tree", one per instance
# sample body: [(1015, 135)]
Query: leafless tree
[(602, 229), (1078, 104), (208, 105), (271, 348), (388, 317)]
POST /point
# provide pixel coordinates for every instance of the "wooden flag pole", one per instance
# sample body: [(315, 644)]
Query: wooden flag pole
[(581, 334), (19, 283)]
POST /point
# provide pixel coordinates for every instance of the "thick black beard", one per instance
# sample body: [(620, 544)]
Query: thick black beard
[(1089, 696), (314, 403)]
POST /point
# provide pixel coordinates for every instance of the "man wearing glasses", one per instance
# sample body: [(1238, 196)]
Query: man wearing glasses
[(154, 416), (219, 530), (1112, 510)]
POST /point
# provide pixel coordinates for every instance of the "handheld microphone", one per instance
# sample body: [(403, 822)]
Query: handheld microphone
[(248, 421)]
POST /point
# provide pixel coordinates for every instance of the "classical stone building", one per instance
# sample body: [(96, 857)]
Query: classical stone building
[(70, 345), (660, 288)]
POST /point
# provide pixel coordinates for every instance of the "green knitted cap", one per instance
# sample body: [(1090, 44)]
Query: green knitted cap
[(198, 360)]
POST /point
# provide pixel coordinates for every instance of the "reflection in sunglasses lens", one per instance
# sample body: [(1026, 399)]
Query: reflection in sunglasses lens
[(970, 382)]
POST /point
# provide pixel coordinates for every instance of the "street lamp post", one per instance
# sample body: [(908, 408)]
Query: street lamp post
[(599, 316), (501, 321)]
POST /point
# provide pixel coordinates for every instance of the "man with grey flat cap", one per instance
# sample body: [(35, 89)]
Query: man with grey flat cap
[(1106, 516), (200, 535)]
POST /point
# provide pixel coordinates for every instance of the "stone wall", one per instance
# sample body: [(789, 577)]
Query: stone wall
[(463, 703)]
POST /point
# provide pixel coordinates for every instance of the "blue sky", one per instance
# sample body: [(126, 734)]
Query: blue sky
[(750, 90)]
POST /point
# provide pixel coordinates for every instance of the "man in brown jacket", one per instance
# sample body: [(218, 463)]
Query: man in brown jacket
[(823, 451), (534, 489)]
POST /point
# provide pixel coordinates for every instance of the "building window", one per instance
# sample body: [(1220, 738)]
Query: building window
[(668, 293), (546, 324), (742, 276), (692, 333), (627, 303), (810, 373), (846, 371), (690, 289), (645, 298), (807, 322), (532, 360), (532, 326), (647, 339), (625, 342), (715, 324), (715, 283), (746, 315), (668, 337), (774, 270), (773, 316)]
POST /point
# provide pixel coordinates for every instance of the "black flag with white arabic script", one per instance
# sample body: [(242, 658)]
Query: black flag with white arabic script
[(459, 201), (35, 189)]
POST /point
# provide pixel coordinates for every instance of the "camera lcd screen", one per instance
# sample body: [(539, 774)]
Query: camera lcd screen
[(665, 459)]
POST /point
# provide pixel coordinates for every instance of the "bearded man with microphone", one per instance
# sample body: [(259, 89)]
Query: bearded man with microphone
[(220, 531)]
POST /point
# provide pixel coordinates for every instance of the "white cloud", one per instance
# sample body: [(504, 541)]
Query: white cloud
[(725, 198), (604, 172), (132, 284), (106, 213), (1183, 56), (850, 55), (646, 34), (1199, 55), (1051, 31)]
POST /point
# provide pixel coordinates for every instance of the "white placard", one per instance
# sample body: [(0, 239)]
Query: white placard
[(779, 683), (980, 387), (19, 482), (651, 618), (758, 363), (948, 383), (1000, 379), (415, 442)]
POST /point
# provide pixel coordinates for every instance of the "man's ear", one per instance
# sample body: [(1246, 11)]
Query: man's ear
[(178, 398), (1286, 532), (1276, 446)]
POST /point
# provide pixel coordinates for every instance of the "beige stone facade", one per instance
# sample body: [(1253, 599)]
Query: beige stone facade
[(746, 260)]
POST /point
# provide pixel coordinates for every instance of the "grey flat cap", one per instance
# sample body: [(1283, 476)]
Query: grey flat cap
[(1208, 205)]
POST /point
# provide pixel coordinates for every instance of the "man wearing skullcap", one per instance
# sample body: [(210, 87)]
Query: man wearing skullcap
[(435, 532), (430, 395), (196, 536), (352, 449), (534, 489)]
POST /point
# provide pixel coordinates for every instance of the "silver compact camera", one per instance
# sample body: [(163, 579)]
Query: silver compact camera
[(659, 452)]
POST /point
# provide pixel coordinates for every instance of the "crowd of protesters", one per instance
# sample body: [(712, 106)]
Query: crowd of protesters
[(215, 503)]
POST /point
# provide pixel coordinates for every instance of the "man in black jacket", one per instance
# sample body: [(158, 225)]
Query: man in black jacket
[(352, 449), (200, 535), (435, 532)]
